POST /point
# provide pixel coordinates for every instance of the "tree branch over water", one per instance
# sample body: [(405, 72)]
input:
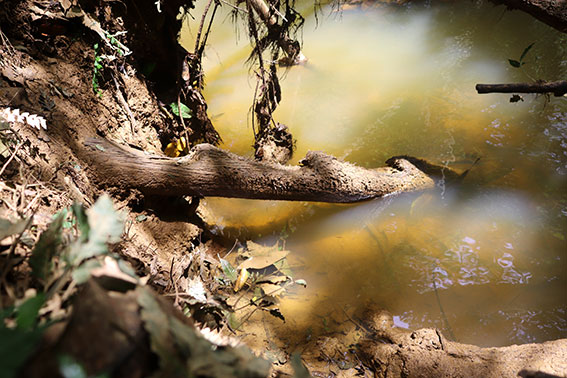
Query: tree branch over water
[(558, 88), (210, 171)]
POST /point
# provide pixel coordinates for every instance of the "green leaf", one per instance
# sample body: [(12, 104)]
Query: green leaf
[(233, 322), (228, 270), (514, 63), (27, 312), (105, 226), (161, 341), (15, 348), (8, 228), (82, 273), (46, 247), (185, 111), (526, 51), (299, 369), (82, 221)]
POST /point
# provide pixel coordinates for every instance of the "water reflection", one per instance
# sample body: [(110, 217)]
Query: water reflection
[(489, 255)]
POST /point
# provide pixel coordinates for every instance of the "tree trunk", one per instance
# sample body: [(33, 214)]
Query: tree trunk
[(209, 171), (558, 88)]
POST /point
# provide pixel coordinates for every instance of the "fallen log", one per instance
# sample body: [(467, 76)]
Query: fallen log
[(558, 88), (210, 171)]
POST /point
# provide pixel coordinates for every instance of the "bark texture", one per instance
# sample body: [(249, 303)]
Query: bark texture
[(551, 12), (395, 352), (558, 88), (210, 171)]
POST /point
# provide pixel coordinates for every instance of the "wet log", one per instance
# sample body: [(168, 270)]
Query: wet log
[(396, 352), (558, 88), (550, 12), (210, 171)]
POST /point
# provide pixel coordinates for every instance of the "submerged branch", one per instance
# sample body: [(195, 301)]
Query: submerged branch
[(210, 171), (558, 88)]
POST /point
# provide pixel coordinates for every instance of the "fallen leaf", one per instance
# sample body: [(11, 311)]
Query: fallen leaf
[(271, 289), (242, 278), (262, 257)]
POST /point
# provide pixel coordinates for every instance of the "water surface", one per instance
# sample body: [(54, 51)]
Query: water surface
[(484, 261)]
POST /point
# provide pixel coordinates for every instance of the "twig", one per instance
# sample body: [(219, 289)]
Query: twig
[(11, 157), (185, 131), (174, 283), (32, 202), (253, 302), (9, 264), (445, 319), (355, 322), (124, 103), (202, 47), (234, 6), (558, 88), (197, 40)]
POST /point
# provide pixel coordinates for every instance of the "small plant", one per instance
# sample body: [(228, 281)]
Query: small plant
[(99, 59), (519, 63), (73, 245), (181, 110), (97, 70)]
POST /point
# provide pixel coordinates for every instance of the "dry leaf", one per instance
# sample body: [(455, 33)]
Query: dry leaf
[(241, 280)]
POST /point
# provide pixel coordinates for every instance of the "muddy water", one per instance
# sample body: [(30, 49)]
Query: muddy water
[(484, 261)]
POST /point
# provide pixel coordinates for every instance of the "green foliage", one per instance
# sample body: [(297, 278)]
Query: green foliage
[(51, 260), (115, 43), (16, 346), (8, 228), (519, 63), (19, 342), (98, 67), (104, 226), (185, 111), (183, 352), (41, 260), (28, 311), (229, 271), (82, 221)]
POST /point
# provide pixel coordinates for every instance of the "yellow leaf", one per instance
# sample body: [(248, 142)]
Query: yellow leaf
[(175, 149), (171, 150), (241, 280)]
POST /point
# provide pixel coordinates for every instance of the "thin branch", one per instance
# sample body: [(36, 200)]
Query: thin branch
[(11, 157), (558, 88), (202, 48), (197, 40)]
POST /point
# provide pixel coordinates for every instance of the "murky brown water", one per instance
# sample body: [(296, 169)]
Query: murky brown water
[(485, 261)]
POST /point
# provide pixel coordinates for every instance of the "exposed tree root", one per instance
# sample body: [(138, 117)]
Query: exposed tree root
[(210, 171), (396, 352)]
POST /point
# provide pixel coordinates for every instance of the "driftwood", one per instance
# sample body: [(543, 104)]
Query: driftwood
[(210, 171), (558, 88), (426, 353), (551, 12)]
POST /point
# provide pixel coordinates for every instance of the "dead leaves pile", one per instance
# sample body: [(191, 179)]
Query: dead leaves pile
[(261, 277)]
